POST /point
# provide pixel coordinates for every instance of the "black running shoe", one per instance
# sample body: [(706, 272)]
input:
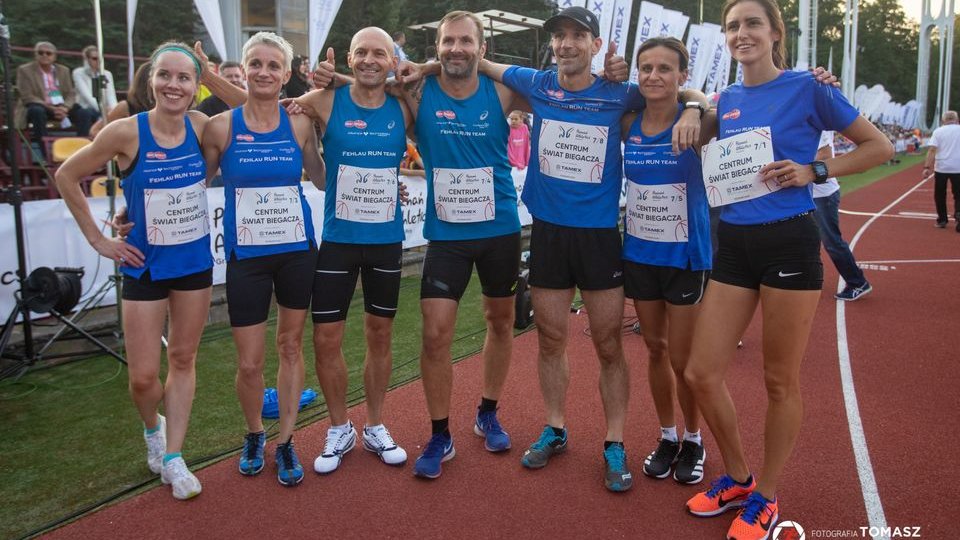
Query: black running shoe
[(690, 463), (659, 461)]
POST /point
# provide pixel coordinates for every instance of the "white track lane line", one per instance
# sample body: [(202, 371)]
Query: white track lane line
[(868, 482), (911, 261)]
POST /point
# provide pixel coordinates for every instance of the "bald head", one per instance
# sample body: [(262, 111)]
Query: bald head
[(373, 36), (950, 117)]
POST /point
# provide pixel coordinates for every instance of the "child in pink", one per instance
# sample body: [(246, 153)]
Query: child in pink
[(518, 145)]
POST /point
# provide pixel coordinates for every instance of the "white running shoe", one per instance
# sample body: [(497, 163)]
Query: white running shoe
[(377, 439), (185, 484), (156, 445), (339, 442)]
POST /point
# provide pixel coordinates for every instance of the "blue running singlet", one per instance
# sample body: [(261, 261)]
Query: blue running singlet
[(264, 211), (667, 222), (463, 142), (363, 148), (167, 203)]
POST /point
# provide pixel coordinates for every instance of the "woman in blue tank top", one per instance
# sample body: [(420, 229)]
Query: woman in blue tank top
[(269, 240), (165, 259), (666, 250), (769, 252)]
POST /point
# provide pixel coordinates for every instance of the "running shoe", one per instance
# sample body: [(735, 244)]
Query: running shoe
[(941, 224), (659, 461), (339, 442), (251, 457), (755, 519), (724, 494), (377, 439), (851, 293), (617, 476), (156, 445), (689, 469), (176, 474), (488, 427), (439, 449), (548, 445), (289, 470)]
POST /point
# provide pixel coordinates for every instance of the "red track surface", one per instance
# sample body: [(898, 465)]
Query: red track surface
[(902, 343)]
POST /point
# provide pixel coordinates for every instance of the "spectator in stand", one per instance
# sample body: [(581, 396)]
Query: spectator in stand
[(518, 144), (138, 100), (298, 84), (399, 40), (231, 71), (47, 94), (943, 161), (83, 81)]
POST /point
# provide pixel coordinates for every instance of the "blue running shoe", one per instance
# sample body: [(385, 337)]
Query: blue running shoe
[(251, 458), (617, 477), (289, 470), (488, 427), (438, 450), (548, 445)]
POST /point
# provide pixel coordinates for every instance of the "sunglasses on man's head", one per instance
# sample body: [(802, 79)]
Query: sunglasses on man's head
[(46, 53)]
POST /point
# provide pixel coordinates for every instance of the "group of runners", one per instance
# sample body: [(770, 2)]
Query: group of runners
[(769, 251)]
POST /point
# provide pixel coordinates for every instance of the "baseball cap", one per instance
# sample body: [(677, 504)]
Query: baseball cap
[(582, 16)]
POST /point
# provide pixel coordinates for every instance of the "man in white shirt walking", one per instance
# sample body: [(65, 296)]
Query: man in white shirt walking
[(943, 160)]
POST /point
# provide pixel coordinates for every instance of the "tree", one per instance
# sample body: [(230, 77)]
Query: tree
[(888, 49), (70, 26)]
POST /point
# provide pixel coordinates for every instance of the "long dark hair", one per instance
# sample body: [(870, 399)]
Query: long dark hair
[(772, 9), (139, 96)]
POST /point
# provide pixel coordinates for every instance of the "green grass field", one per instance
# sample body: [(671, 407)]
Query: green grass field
[(854, 182), (71, 436)]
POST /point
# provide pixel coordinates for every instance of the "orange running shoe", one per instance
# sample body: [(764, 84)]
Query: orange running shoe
[(756, 518), (724, 494)]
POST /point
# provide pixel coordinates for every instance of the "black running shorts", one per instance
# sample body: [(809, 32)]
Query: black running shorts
[(145, 289), (252, 282), (449, 263), (335, 279), (675, 286), (566, 257), (782, 255)]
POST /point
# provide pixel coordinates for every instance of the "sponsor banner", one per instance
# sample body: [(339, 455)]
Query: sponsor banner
[(321, 15), (604, 11), (621, 25), (698, 50), (673, 23), (648, 26)]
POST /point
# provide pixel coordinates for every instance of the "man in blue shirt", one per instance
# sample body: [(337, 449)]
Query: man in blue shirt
[(572, 190)]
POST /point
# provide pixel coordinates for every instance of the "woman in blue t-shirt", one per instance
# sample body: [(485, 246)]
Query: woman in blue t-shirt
[(769, 253), (269, 243), (666, 249), (165, 259)]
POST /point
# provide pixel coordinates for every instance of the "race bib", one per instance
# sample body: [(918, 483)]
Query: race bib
[(464, 195), (731, 165), (571, 151), (176, 216), (366, 195), (268, 216), (657, 213)]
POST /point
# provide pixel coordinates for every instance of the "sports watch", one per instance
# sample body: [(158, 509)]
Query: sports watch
[(695, 105), (820, 172)]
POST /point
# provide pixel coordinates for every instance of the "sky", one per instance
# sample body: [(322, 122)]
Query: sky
[(913, 7)]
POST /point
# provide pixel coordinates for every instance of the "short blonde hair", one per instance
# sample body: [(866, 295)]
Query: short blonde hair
[(273, 40)]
